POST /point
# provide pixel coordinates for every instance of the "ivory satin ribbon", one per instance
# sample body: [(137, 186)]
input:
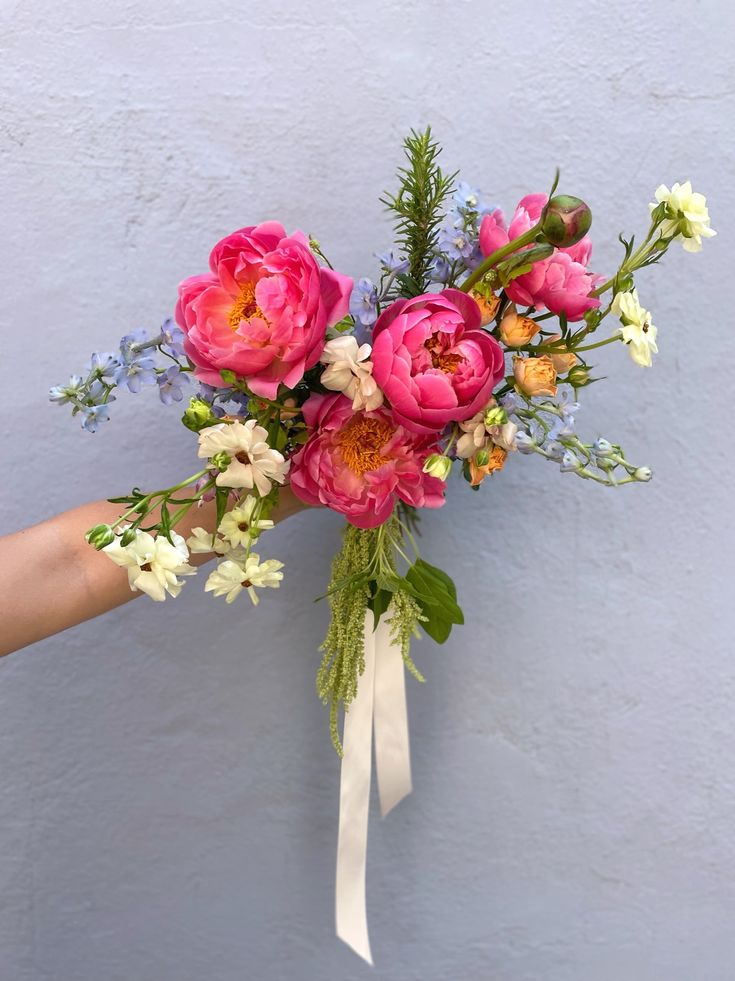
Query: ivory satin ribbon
[(379, 707)]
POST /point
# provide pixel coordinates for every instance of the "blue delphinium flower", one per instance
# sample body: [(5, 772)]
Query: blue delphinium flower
[(103, 365), (441, 270), (455, 242), (364, 302), (141, 371), (172, 338), (92, 415), (469, 198), (170, 384), (136, 368), (525, 442), (130, 345), (569, 463), (390, 262), (62, 394)]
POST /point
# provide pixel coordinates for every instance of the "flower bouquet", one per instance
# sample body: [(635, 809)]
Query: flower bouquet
[(470, 348)]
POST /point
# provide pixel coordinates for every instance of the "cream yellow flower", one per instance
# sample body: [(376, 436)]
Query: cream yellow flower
[(238, 526), (153, 563), (350, 371), (637, 331), (687, 217), (253, 463), (230, 577)]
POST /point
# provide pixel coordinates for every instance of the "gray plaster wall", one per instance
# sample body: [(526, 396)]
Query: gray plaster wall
[(168, 793)]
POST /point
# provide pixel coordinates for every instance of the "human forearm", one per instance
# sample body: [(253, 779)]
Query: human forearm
[(50, 579)]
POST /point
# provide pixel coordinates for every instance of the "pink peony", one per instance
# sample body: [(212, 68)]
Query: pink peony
[(560, 283), (360, 463), (433, 361), (263, 310)]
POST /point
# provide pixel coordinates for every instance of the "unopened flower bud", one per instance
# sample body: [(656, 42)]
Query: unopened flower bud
[(525, 442), (221, 461), (570, 463), (567, 219), (481, 458), (579, 376), (198, 415), (643, 473), (100, 535), (128, 536), (495, 415), (437, 465), (602, 447)]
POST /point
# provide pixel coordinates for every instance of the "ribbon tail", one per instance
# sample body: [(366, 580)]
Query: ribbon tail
[(354, 802), (392, 750)]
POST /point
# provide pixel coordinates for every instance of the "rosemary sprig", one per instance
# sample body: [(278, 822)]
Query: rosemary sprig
[(418, 208)]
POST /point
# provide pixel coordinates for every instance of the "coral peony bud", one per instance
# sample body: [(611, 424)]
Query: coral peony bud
[(566, 220)]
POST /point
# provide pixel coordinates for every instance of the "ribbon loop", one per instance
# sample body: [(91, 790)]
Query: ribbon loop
[(380, 703)]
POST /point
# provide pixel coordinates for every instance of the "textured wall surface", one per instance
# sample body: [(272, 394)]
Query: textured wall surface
[(168, 793)]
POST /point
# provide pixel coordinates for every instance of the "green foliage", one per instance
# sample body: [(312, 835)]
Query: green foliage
[(365, 578), (436, 595), (418, 208)]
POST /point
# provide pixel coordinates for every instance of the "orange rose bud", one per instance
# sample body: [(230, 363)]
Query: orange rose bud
[(492, 461), (535, 376), (488, 306), (515, 331), (562, 360)]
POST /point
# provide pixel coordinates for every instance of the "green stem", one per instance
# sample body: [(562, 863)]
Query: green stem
[(141, 511), (495, 257)]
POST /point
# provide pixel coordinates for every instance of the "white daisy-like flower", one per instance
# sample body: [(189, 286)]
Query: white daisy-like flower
[(687, 215), (350, 371), (202, 541), (637, 331), (153, 564), (230, 577), (238, 526), (253, 463)]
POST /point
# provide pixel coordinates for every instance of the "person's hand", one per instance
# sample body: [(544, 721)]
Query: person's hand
[(51, 579)]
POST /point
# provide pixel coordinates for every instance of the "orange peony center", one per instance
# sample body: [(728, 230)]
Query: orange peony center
[(361, 442), (245, 306), (440, 358)]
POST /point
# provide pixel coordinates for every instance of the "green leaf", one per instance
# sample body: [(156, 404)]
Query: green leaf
[(379, 604), (436, 594)]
